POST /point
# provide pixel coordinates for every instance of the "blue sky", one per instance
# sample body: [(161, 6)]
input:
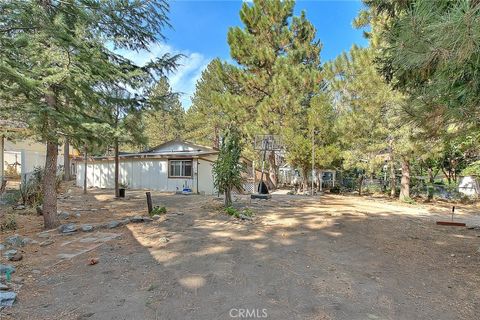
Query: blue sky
[(199, 31)]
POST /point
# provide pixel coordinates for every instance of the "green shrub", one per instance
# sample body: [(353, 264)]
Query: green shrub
[(409, 200), (248, 212), (472, 169), (11, 197), (158, 210), (231, 211)]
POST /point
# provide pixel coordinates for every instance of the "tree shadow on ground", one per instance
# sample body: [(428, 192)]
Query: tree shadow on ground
[(301, 258)]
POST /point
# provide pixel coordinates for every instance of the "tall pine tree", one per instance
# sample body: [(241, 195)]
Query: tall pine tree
[(55, 65)]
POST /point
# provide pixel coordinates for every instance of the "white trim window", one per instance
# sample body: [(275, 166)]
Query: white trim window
[(180, 168)]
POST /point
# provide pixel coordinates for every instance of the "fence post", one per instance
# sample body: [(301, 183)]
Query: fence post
[(149, 202)]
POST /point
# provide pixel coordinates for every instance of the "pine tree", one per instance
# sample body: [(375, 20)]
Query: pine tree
[(166, 120), (214, 106), (372, 123), (429, 50), (313, 133), (279, 62), (55, 66)]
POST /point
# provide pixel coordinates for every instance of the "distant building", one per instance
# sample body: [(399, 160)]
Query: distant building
[(18, 155)]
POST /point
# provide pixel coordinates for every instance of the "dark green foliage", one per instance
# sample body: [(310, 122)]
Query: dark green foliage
[(429, 50), (59, 72), (165, 117)]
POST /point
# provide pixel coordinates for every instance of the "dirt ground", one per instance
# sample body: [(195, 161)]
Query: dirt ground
[(326, 257)]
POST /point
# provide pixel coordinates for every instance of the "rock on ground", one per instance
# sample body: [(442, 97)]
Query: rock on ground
[(4, 287), (9, 253), (136, 219), (13, 255), (5, 268), (7, 298), (46, 243), (15, 241), (63, 215), (67, 228), (113, 224), (86, 228)]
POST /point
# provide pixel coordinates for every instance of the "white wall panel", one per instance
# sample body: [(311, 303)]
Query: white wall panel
[(144, 174)]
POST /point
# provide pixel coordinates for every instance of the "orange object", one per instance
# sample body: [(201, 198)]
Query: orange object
[(93, 261)]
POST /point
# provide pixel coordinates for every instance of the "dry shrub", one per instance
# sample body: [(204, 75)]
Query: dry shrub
[(31, 190), (8, 222)]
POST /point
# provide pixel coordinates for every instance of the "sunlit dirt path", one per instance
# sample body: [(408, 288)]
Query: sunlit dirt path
[(329, 257)]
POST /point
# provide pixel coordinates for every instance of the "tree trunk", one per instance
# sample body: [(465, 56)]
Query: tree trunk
[(85, 171), (360, 184), (49, 186), (216, 138), (393, 178), (117, 186), (66, 161), (405, 183), (431, 180), (272, 169), (228, 198), (305, 180)]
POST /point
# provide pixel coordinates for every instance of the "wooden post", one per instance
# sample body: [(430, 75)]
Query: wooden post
[(149, 202)]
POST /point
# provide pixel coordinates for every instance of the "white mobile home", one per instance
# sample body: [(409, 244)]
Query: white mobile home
[(171, 166)]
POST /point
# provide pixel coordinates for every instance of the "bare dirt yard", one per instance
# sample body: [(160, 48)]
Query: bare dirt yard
[(326, 257)]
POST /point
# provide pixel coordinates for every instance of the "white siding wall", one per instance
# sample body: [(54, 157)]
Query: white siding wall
[(28, 153), (205, 177), (149, 174)]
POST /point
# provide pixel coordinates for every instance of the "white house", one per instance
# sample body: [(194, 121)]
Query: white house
[(20, 155), (171, 166)]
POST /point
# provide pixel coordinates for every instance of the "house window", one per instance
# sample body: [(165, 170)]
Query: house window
[(180, 169)]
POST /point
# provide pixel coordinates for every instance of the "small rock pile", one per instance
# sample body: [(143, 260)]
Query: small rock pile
[(69, 228), (11, 249)]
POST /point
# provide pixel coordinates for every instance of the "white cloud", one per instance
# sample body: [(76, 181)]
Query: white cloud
[(184, 79)]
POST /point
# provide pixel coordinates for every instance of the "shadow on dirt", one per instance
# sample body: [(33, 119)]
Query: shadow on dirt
[(300, 258)]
